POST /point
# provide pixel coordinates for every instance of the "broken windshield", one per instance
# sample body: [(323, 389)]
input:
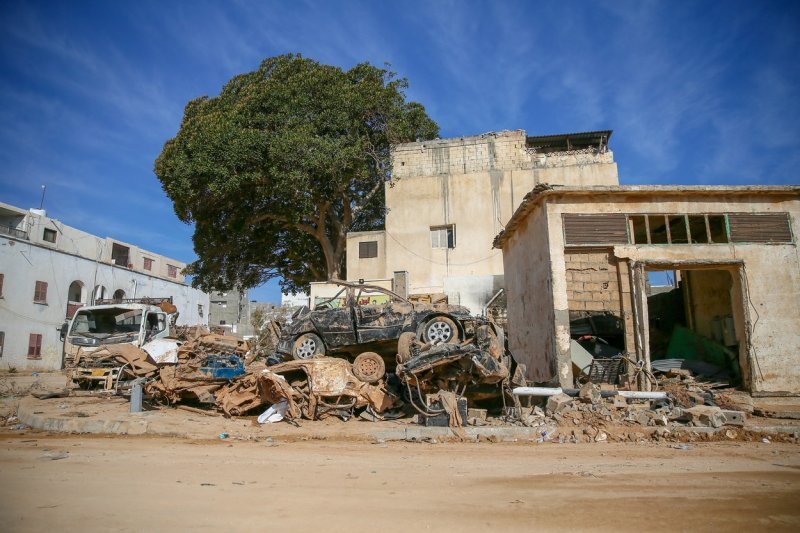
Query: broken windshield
[(105, 323)]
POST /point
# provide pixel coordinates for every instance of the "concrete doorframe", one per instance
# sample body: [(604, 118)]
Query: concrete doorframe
[(739, 303)]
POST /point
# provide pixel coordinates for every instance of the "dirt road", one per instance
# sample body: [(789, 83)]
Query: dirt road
[(71, 483)]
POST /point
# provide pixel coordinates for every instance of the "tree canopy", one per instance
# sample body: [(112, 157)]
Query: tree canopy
[(277, 169)]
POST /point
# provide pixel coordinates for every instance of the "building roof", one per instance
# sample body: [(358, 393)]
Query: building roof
[(543, 191), (564, 142)]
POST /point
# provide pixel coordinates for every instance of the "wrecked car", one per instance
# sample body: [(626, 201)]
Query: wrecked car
[(313, 389), (348, 324)]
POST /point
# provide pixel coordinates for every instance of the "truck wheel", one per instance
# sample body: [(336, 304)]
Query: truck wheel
[(440, 329), (369, 367), (308, 346)]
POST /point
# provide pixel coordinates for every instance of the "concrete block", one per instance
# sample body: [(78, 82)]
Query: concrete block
[(703, 415), (589, 393), (558, 403), (734, 418), (479, 414)]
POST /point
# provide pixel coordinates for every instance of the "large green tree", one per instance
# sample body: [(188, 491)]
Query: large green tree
[(277, 169)]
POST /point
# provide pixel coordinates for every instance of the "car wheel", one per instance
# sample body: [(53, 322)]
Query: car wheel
[(440, 329), (404, 346), (308, 346), (369, 367)]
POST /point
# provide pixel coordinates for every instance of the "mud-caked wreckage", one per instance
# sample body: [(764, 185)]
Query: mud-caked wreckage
[(561, 323)]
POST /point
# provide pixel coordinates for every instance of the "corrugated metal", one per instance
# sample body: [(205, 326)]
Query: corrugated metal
[(595, 229), (762, 227)]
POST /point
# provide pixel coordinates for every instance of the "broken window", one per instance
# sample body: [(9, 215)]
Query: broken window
[(658, 229), (639, 229), (443, 237), (200, 310), (40, 292), (717, 229), (367, 249), (172, 271), (35, 346), (698, 230), (119, 255), (49, 235), (679, 229), (678, 234), (148, 263)]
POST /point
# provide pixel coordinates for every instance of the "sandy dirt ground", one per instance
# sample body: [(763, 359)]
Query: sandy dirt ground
[(80, 483)]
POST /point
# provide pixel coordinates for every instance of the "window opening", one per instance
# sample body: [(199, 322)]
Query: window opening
[(367, 249), (49, 235), (443, 237), (40, 292)]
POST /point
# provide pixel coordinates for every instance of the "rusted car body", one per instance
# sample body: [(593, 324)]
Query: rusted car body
[(352, 328)]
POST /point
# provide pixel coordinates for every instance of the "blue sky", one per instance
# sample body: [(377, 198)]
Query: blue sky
[(695, 91)]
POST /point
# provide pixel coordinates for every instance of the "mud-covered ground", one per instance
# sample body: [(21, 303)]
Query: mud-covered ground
[(94, 483)]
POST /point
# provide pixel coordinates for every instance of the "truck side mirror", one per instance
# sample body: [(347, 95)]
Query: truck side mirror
[(63, 330)]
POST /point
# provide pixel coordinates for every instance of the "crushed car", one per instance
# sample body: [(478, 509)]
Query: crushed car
[(347, 325)]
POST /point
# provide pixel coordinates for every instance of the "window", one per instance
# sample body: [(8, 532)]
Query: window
[(367, 249), (172, 271), (119, 255), (760, 228), (148, 263), (221, 322), (49, 235), (200, 309), (443, 237), (35, 346), (40, 293), (1, 284), (595, 229), (2, 342)]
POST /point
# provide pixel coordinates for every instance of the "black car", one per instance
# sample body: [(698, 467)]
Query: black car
[(351, 323)]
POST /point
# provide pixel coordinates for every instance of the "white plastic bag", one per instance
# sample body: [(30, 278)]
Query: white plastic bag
[(275, 413)]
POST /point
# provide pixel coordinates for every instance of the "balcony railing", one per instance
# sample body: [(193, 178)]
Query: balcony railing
[(14, 232)]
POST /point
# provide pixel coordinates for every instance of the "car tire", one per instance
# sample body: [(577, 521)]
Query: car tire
[(440, 329), (404, 346), (307, 346), (369, 367)]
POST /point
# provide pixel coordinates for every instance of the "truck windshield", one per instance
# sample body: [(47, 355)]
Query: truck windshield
[(104, 323)]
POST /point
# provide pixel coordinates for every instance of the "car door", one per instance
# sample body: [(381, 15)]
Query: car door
[(335, 325), (381, 322)]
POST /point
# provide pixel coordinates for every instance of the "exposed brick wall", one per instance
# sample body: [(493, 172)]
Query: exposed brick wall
[(598, 282), (503, 150)]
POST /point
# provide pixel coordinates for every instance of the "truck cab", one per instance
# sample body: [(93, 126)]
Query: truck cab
[(134, 322)]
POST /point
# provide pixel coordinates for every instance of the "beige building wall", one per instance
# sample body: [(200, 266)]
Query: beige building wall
[(472, 184), (765, 278)]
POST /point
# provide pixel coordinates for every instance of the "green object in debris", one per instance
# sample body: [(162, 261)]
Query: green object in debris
[(686, 344)]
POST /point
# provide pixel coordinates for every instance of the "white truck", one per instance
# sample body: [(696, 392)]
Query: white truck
[(131, 321)]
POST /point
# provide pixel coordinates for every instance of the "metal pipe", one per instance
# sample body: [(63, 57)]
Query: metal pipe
[(553, 391), (537, 391), (490, 302)]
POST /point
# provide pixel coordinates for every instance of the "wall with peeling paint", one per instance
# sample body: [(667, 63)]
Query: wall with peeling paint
[(767, 317), (474, 184)]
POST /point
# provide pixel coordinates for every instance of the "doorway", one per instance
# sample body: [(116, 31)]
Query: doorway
[(696, 321)]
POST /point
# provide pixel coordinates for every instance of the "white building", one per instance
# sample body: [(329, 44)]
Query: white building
[(48, 270)]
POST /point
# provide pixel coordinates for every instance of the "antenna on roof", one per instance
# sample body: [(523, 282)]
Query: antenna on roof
[(41, 203)]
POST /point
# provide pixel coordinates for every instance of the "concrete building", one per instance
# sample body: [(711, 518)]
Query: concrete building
[(230, 311), (572, 252), (448, 198), (48, 270)]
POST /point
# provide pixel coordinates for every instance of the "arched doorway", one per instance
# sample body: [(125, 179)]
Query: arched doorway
[(119, 294), (76, 297), (99, 293)]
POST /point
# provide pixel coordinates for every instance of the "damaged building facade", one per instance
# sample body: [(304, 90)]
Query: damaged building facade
[(573, 254), (448, 198), (48, 270)]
